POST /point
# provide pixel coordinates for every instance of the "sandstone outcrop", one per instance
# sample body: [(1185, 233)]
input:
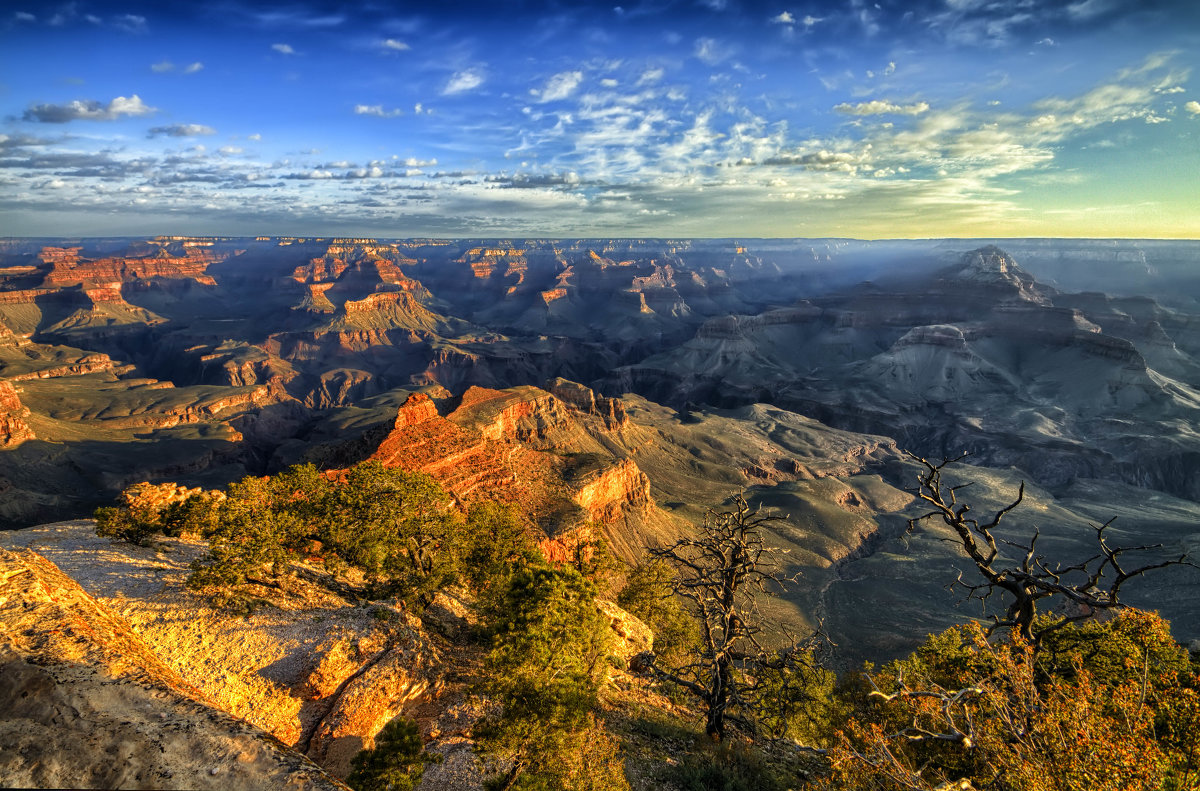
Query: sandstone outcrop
[(87, 704), (13, 428), (316, 672), (506, 445)]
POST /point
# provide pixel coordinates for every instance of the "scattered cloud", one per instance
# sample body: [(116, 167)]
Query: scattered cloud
[(296, 17), (882, 107), (88, 110), (130, 23), (256, 136), (651, 76), (463, 81), (376, 110), (1193, 107), (394, 45), (784, 18), (283, 49), (711, 51), (24, 16), (1087, 9), (181, 130), (559, 87), (166, 67)]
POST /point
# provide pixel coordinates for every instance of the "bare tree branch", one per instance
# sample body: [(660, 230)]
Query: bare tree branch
[(1092, 585), (722, 572)]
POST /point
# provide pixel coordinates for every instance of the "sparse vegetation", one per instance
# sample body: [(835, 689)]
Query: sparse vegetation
[(397, 761), (545, 670), (1006, 716), (649, 594), (721, 570)]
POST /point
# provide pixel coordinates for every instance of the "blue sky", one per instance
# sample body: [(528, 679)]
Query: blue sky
[(689, 118)]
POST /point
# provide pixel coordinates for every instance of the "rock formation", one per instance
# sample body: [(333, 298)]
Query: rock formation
[(87, 704), (13, 428)]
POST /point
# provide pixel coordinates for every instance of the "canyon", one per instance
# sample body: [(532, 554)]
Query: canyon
[(625, 384), (606, 388)]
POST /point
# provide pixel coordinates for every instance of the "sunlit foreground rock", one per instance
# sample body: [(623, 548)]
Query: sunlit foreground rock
[(87, 704), (313, 670)]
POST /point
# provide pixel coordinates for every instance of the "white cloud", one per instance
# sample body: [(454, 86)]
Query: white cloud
[(376, 110), (89, 110), (560, 86), (462, 81), (255, 136), (882, 107), (1086, 9), (229, 150), (811, 20), (1193, 107), (650, 76), (784, 18), (394, 45), (609, 82), (283, 49), (711, 51), (413, 162), (166, 66), (130, 23), (24, 16), (182, 130)]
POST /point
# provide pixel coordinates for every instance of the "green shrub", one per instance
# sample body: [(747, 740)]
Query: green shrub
[(124, 524), (545, 670), (725, 766), (396, 763), (649, 594)]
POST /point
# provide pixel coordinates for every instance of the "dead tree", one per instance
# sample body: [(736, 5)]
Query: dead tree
[(1092, 585), (721, 572)]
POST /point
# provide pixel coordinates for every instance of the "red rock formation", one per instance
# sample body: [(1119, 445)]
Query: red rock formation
[(585, 400), (13, 428), (614, 490), (494, 446), (92, 362), (459, 458), (520, 413), (66, 267)]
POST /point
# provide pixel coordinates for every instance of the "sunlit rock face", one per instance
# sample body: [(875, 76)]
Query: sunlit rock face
[(88, 703), (555, 459), (13, 428)]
